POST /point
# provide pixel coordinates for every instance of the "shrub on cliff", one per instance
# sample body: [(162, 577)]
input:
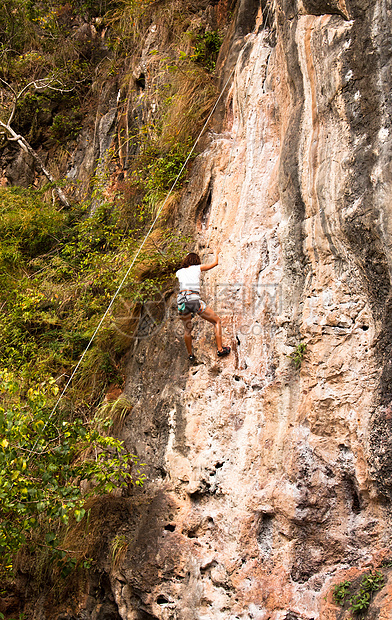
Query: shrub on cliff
[(45, 456)]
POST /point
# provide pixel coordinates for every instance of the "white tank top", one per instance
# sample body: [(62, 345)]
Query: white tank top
[(189, 278)]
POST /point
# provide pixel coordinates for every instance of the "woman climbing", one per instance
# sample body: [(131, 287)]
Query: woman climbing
[(189, 302)]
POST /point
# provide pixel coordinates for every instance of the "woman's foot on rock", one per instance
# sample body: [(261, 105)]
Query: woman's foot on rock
[(223, 351)]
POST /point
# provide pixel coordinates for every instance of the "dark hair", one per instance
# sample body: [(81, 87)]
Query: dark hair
[(191, 259)]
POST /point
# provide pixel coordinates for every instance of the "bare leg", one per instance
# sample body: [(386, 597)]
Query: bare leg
[(187, 322), (210, 316)]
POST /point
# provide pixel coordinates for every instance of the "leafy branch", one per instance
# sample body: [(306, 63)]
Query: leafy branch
[(298, 355), (359, 601), (61, 454)]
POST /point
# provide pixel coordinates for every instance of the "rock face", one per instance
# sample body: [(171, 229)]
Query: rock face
[(270, 471)]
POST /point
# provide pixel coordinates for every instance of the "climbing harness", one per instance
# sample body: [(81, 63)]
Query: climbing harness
[(189, 302)]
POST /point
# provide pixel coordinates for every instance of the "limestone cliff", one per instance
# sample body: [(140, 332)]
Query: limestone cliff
[(269, 481)]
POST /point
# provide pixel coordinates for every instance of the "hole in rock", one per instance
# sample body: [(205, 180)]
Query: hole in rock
[(265, 534), (356, 505), (219, 465), (365, 327), (329, 472), (206, 209), (162, 600), (237, 378), (353, 494), (203, 209), (355, 497), (161, 472), (140, 83), (292, 616), (170, 527)]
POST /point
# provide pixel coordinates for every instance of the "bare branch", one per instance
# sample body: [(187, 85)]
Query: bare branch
[(61, 90), (40, 84), (12, 135), (8, 86), (11, 116)]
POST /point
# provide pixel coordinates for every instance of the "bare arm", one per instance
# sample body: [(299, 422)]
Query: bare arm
[(211, 265)]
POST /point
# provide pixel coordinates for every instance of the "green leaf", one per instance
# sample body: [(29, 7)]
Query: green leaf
[(79, 514), (50, 538)]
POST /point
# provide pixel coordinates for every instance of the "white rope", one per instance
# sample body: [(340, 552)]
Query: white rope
[(148, 234), (135, 257)]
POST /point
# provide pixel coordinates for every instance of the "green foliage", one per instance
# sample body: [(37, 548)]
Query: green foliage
[(66, 127), (298, 355), (16, 25), (35, 111), (93, 237), (158, 164), (58, 274), (207, 48), (28, 227), (44, 458), (25, 24), (341, 591), (371, 583), (358, 601), (92, 8), (115, 411), (163, 171)]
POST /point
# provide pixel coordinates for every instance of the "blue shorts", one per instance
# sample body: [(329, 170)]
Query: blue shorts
[(190, 303)]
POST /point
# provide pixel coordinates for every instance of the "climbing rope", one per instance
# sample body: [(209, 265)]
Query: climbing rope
[(146, 237), (136, 256)]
